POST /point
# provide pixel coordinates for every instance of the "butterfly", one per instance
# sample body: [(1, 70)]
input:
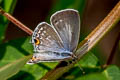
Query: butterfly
[(58, 41)]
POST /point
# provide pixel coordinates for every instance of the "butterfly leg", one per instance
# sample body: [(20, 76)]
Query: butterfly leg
[(75, 59)]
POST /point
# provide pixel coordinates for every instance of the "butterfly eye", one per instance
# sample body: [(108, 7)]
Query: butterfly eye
[(37, 41)]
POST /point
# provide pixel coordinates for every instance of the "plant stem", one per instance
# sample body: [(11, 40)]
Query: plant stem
[(110, 20), (16, 22)]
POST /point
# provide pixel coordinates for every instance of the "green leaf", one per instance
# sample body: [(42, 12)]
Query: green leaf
[(8, 6), (98, 52), (37, 70), (93, 76), (12, 68), (89, 60), (16, 49), (112, 72)]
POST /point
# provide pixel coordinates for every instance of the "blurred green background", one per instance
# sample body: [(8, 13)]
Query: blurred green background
[(14, 43)]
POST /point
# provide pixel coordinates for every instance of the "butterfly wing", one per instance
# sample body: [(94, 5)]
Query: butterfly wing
[(47, 37), (59, 41), (67, 24), (47, 45)]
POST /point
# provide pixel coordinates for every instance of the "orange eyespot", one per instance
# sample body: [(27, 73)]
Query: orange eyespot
[(37, 41), (33, 58)]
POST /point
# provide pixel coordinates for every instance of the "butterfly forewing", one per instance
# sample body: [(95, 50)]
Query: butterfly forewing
[(48, 39), (67, 24)]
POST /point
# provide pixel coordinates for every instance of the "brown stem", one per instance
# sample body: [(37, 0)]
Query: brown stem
[(16, 22)]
